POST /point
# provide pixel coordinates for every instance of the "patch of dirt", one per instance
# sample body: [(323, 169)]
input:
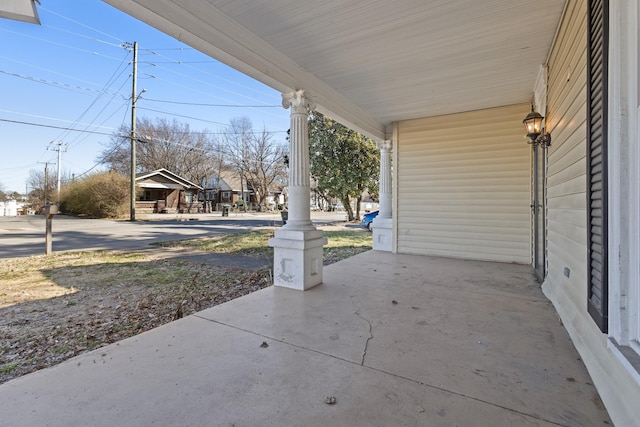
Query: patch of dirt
[(52, 309)]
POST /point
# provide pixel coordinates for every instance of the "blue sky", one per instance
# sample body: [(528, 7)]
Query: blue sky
[(69, 80)]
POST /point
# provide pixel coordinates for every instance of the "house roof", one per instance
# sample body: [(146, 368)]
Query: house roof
[(230, 181), (162, 178), (371, 63)]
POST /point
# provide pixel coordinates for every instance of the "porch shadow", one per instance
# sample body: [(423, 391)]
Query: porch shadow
[(396, 339)]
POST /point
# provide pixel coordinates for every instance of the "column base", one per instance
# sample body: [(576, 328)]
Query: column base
[(382, 234), (297, 258)]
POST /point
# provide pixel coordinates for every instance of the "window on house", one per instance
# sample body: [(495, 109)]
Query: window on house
[(226, 195)]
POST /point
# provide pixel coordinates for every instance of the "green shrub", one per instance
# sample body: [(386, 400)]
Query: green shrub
[(101, 195)]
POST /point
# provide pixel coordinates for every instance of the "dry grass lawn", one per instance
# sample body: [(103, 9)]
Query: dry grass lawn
[(58, 306)]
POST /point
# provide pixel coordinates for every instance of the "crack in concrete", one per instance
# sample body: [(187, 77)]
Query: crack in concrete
[(383, 371), (366, 344)]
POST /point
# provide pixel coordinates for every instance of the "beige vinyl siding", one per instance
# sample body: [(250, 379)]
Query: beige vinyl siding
[(566, 178), (568, 246), (464, 186)]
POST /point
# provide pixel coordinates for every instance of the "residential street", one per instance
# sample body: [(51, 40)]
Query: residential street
[(25, 235)]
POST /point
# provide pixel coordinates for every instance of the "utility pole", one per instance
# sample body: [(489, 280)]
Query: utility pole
[(134, 96), (59, 150), (134, 138), (46, 180)]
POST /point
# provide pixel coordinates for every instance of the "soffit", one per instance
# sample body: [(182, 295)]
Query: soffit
[(370, 63)]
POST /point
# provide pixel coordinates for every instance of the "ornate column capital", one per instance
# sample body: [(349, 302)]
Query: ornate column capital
[(386, 144), (299, 101)]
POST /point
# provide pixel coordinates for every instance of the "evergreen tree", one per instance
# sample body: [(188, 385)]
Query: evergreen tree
[(344, 163)]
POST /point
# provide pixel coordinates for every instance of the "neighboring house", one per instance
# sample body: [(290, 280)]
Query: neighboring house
[(444, 87), (276, 196), (162, 191), (233, 189), (227, 189), (11, 208)]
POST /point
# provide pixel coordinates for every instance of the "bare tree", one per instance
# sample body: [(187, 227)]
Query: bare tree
[(255, 156), (265, 165), (236, 139), (43, 185), (162, 144), (219, 163)]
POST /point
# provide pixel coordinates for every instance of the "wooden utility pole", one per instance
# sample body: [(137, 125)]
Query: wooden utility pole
[(134, 96), (59, 150), (46, 180)]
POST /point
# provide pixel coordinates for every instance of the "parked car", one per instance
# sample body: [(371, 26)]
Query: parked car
[(367, 219)]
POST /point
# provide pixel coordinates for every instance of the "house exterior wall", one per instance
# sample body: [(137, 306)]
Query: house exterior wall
[(463, 187), (568, 267), (566, 175), (173, 199)]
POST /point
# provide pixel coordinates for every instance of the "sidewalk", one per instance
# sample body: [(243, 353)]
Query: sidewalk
[(318, 217)]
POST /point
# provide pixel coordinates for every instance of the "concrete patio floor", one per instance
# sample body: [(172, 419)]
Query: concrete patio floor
[(398, 340)]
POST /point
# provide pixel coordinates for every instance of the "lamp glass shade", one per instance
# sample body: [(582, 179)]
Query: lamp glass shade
[(533, 124)]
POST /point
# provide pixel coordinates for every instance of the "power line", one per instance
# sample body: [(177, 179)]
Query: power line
[(94, 53), (110, 82), (46, 118), (215, 76), (153, 49), (182, 115), (6, 170), (182, 62), (206, 83), (54, 127), (212, 105), (50, 82), (49, 70), (77, 141), (64, 30), (103, 91), (150, 51), (81, 24), (98, 163), (127, 136)]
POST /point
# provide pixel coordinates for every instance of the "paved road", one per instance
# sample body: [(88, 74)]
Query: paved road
[(24, 235)]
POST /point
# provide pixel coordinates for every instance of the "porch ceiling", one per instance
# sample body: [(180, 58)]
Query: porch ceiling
[(372, 62)]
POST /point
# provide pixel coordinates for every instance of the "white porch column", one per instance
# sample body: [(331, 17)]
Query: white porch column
[(383, 224), (297, 258)]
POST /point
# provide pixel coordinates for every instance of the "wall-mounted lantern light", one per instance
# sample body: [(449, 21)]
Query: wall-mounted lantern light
[(534, 130)]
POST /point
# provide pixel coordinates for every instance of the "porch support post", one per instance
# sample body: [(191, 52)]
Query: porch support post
[(383, 224), (297, 257)]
